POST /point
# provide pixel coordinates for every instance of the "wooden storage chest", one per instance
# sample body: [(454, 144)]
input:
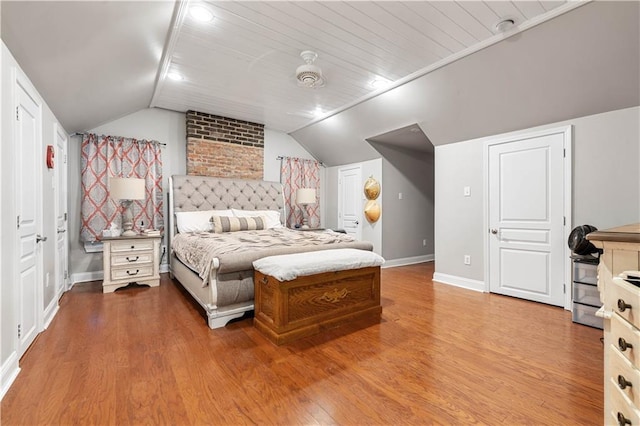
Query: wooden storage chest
[(288, 310)]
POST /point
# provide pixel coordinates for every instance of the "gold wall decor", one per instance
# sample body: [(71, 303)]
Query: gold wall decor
[(372, 211), (371, 188)]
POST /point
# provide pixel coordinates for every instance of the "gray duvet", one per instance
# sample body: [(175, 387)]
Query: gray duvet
[(236, 251)]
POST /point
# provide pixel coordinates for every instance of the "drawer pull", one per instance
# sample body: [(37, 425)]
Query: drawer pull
[(623, 345), (133, 260), (138, 270), (623, 383), (622, 420), (622, 306)]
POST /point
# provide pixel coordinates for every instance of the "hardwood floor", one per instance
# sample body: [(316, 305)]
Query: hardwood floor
[(440, 355)]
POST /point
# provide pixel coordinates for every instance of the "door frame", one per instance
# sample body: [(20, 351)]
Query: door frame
[(567, 133)]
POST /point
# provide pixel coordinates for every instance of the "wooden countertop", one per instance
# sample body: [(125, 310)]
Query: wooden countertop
[(624, 234)]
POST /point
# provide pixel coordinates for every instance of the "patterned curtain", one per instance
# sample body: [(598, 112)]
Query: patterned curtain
[(300, 173), (112, 156)]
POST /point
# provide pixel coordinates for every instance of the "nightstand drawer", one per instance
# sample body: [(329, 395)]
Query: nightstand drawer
[(132, 273), (131, 245), (131, 258)]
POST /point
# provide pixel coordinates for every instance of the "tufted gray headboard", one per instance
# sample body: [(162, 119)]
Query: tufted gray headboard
[(192, 193)]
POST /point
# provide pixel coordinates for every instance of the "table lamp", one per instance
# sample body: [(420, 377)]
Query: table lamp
[(304, 197), (126, 190)]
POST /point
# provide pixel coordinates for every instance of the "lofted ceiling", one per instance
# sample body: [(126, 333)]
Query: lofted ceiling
[(96, 61)]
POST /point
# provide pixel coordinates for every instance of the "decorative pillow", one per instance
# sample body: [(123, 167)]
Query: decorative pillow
[(231, 223), (272, 216), (197, 221)]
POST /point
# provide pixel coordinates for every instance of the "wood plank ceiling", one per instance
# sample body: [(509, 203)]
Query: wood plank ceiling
[(242, 63)]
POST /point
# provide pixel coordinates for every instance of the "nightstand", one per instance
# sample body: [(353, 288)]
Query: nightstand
[(130, 259)]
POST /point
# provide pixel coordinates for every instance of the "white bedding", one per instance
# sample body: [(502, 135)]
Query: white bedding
[(290, 266)]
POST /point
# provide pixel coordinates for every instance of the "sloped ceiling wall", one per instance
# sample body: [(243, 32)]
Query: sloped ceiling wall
[(581, 63)]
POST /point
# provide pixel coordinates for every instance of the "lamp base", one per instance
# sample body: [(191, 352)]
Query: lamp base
[(128, 233), (304, 227)]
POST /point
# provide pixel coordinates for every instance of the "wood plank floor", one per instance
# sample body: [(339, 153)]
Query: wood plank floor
[(440, 355)]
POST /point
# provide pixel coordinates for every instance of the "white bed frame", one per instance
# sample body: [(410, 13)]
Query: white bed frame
[(193, 193)]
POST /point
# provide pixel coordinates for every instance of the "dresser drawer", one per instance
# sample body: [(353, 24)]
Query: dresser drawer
[(131, 245), (132, 273), (624, 334), (621, 405), (132, 258), (625, 375), (624, 299)]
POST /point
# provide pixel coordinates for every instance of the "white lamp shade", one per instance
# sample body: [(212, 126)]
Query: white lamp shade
[(306, 196), (126, 188)]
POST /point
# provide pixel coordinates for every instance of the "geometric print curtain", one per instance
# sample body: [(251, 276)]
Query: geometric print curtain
[(112, 156), (300, 173)]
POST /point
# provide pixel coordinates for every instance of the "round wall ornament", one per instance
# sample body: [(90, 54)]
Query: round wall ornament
[(371, 188), (372, 211)]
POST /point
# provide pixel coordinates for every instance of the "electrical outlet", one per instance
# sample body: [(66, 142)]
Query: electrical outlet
[(467, 259), (164, 249)]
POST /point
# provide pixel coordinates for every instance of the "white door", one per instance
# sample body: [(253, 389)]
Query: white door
[(60, 167), (28, 199), (526, 218), (350, 200)]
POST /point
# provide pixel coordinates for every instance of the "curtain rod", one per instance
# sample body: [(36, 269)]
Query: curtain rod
[(281, 157), (80, 134)]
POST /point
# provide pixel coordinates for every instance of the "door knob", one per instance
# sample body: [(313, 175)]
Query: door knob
[(61, 230), (494, 231), (357, 223), (40, 238)]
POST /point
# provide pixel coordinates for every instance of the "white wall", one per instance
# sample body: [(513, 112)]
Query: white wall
[(165, 126), (606, 186)]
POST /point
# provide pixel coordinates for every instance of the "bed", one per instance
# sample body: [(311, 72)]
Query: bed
[(216, 268)]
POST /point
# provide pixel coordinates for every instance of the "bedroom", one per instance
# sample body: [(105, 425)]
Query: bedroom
[(459, 229)]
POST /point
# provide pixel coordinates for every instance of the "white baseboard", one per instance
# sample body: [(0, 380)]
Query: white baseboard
[(459, 282), (50, 313), (83, 277), (164, 267), (407, 261), (8, 373)]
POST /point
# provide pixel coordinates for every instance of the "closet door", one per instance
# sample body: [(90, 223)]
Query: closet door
[(28, 200)]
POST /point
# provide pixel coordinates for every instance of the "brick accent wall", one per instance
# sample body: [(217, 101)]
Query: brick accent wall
[(224, 147)]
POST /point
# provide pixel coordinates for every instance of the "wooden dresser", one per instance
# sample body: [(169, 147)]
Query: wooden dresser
[(621, 313)]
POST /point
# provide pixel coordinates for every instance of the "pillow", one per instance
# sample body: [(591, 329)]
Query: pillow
[(272, 216), (197, 221), (231, 223)]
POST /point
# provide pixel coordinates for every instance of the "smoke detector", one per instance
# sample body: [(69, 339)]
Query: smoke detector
[(309, 75)]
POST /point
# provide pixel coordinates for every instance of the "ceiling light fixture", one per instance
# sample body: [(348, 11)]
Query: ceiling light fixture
[(309, 75), (379, 83), (504, 25), (175, 76), (201, 13)]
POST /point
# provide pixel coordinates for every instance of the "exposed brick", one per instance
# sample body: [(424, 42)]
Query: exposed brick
[(221, 146)]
